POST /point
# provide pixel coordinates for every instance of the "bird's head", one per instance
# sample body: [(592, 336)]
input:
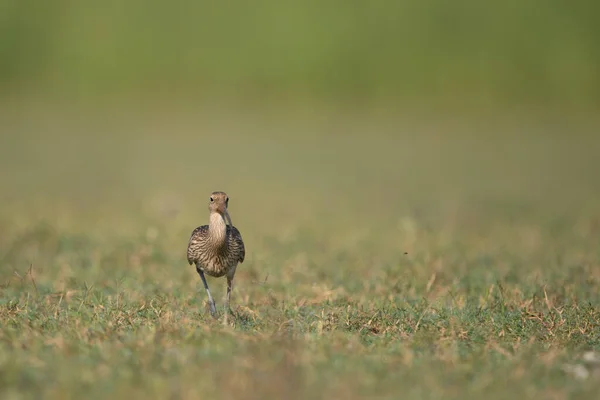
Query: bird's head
[(218, 204)]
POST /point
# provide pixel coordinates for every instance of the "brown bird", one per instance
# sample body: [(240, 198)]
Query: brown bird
[(216, 248)]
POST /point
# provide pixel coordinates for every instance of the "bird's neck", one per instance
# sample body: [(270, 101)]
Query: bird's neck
[(217, 228)]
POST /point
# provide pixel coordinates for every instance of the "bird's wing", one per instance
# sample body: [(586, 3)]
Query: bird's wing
[(237, 236), (194, 238)]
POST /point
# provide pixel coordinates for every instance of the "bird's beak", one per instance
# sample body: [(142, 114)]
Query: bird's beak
[(227, 218)]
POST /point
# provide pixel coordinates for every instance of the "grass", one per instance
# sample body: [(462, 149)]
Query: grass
[(498, 289)]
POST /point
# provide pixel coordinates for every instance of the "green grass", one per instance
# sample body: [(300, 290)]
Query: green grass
[(500, 286)]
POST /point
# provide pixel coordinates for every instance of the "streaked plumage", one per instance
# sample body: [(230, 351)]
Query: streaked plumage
[(216, 248), (214, 258)]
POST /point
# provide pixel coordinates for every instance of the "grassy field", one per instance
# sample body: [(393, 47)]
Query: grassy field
[(499, 287), (416, 183)]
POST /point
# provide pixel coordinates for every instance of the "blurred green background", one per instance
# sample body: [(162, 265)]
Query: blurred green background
[(495, 52), (346, 134)]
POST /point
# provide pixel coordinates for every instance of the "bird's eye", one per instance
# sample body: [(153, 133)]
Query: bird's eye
[(211, 199), (227, 200)]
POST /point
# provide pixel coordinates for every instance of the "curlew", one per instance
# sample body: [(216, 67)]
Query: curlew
[(216, 248)]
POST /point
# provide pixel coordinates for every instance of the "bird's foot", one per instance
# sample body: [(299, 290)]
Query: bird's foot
[(229, 312), (230, 316), (213, 309)]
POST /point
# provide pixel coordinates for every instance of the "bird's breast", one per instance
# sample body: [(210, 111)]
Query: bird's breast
[(216, 263)]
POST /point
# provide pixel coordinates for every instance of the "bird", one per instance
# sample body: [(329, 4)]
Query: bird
[(217, 248)]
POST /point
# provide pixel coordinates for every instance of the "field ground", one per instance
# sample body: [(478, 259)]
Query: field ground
[(498, 289)]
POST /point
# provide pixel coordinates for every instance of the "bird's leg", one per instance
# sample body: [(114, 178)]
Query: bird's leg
[(229, 289), (211, 302)]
